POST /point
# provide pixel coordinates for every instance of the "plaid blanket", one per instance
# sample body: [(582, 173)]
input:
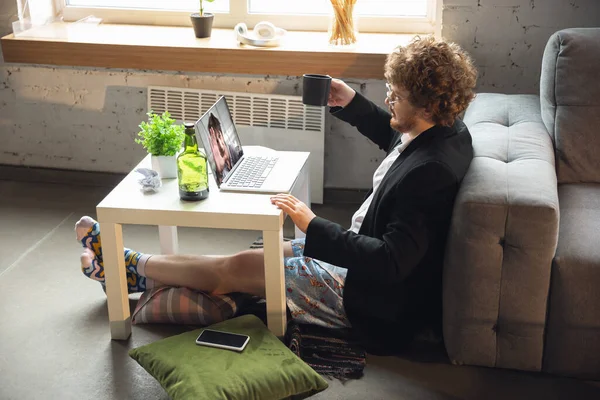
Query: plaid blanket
[(330, 352)]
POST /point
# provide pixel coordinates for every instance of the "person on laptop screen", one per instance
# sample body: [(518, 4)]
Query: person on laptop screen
[(226, 153), (221, 153), (382, 276)]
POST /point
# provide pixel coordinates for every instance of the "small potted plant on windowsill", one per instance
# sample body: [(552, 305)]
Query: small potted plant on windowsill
[(202, 22), (162, 138)]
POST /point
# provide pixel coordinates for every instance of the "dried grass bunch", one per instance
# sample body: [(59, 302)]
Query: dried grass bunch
[(342, 29)]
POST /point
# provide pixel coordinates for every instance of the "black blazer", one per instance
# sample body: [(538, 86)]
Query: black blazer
[(394, 283)]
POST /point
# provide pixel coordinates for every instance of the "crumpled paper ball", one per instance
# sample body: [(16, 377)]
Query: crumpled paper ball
[(151, 181)]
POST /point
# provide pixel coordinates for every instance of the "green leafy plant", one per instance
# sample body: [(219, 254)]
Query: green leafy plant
[(202, 6), (160, 136)]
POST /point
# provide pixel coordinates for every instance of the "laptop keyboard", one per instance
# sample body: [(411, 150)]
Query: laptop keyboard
[(252, 172)]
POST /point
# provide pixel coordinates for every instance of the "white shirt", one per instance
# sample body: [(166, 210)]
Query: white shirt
[(383, 168)]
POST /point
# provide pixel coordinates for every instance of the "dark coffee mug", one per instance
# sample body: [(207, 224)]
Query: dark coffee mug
[(315, 89)]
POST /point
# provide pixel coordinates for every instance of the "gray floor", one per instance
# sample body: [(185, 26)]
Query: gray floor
[(54, 339)]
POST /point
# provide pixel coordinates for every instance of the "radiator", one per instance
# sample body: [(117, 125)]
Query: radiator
[(275, 121)]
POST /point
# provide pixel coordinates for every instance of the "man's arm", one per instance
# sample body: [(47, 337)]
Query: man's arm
[(370, 120), (392, 257)]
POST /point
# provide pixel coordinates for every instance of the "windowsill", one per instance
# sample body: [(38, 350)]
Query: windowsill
[(176, 49)]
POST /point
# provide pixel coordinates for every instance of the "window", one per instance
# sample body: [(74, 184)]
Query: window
[(397, 16), (412, 8), (219, 6)]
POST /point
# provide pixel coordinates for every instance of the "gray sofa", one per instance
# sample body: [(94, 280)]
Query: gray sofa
[(522, 268)]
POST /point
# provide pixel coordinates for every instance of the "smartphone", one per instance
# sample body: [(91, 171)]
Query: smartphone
[(223, 340)]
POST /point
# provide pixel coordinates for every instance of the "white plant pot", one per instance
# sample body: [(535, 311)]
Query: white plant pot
[(166, 166)]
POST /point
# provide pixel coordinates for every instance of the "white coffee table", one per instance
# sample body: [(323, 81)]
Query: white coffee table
[(127, 204)]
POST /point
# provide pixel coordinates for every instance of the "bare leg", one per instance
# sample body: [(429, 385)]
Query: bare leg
[(243, 272)]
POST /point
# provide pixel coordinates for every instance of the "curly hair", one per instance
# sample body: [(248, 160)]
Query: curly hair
[(439, 76)]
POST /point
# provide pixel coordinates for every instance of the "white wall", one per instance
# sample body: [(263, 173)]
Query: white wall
[(507, 37), (86, 119)]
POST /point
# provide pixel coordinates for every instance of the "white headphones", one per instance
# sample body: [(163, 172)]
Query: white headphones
[(264, 34)]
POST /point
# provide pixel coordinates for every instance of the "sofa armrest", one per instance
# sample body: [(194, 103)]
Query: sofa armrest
[(502, 238)]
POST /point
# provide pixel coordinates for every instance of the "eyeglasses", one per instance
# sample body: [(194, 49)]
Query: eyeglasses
[(392, 98)]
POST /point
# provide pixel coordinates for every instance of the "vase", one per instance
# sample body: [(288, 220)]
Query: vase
[(202, 24), (343, 24), (166, 166)]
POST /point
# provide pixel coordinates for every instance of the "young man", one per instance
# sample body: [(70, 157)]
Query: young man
[(382, 277)]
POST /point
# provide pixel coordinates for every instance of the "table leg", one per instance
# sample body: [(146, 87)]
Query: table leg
[(275, 281), (168, 239), (116, 281), (302, 192)]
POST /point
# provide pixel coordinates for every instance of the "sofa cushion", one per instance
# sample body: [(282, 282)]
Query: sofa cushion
[(502, 238), (573, 331), (570, 102)]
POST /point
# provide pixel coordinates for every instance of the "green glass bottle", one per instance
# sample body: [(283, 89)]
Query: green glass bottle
[(192, 172)]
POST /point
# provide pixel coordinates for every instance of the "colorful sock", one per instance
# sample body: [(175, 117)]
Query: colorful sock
[(132, 259), (93, 268), (88, 234), (136, 264)]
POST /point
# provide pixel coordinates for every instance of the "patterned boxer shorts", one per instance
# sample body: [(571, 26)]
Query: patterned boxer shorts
[(314, 290)]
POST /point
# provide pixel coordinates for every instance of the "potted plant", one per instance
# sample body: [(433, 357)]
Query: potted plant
[(202, 22), (162, 138)]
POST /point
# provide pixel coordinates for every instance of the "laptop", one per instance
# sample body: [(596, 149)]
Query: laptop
[(262, 171)]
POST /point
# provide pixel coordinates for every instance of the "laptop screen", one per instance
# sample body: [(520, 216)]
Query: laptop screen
[(220, 140)]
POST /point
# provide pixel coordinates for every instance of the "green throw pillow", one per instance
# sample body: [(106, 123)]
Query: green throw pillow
[(266, 369)]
